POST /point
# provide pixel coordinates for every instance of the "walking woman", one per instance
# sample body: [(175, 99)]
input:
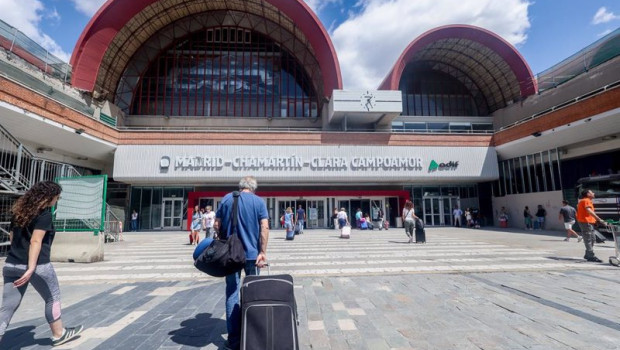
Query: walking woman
[(32, 234), (289, 223), (409, 217), (196, 225)]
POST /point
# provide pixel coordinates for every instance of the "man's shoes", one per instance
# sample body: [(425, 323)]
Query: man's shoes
[(595, 259), (68, 335), (579, 239), (567, 239)]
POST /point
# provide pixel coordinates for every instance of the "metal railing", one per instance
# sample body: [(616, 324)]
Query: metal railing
[(17, 43), (20, 169), (5, 242), (113, 226)]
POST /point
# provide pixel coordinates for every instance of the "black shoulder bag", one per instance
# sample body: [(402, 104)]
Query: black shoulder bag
[(224, 257)]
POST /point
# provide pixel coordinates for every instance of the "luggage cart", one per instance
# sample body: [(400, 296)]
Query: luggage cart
[(615, 231)]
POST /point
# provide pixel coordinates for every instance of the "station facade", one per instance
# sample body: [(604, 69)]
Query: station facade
[(203, 93)]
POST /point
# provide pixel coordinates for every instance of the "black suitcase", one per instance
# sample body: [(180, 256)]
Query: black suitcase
[(420, 234), (268, 313)]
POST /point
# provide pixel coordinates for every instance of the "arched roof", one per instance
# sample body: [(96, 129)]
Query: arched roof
[(490, 62), (121, 27)]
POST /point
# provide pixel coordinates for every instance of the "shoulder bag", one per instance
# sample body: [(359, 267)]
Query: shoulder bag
[(224, 257)]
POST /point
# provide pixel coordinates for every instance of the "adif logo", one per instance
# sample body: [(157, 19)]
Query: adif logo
[(434, 166)]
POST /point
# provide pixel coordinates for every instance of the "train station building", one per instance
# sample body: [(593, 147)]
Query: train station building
[(176, 100)]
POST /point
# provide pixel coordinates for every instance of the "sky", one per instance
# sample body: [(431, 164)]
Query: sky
[(369, 35)]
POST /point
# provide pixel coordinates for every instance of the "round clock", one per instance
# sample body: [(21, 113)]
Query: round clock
[(368, 101)]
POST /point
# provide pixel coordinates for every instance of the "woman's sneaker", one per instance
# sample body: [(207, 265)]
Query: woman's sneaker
[(68, 335)]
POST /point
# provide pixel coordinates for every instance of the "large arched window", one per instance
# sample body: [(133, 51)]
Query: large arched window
[(225, 71), (434, 89)]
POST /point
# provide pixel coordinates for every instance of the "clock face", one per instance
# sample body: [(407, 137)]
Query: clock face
[(368, 101)]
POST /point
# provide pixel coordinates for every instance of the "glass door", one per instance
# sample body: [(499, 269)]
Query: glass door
[(432, 211), (315, 214), (172, 213)]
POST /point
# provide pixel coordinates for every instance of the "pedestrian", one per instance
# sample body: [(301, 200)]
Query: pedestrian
[(289, 221), (457, 213), (540, 217), (28, 261), (208, 221), (380, 218), (586, 217), (527, 216), (503, 218), (134, 220), (253, 231), (335, 219), (468, 218), (358, 218), (408, 216), (568, 216), (343, 218), (196, 226), (300, 218)]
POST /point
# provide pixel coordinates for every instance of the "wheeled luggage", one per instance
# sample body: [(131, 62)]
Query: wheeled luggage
[(345, 232), (268, 313), (290, 235), (386, 224), (420, 233)]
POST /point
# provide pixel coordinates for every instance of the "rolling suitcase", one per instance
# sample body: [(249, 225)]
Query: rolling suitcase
[(345, 232), (290, 235), (268, 313), (420, 234), (386, 224)]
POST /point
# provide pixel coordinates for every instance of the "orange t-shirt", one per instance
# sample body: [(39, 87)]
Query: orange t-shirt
[(582, 213)]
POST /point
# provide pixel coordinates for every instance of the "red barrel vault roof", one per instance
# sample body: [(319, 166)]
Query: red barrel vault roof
[(433, 44), (100, 32)]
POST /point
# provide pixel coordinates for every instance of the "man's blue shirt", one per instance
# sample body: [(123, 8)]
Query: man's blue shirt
[(252, 210)]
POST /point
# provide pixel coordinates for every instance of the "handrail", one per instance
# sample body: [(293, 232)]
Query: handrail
[(562, 105)]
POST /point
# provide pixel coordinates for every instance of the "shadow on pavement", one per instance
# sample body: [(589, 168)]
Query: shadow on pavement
[(21, 337), (200, 331)]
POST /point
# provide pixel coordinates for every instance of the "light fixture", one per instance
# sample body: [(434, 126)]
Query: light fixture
[(79, 131), (537, 134), (609, 137), (82, 158), (44, 149)]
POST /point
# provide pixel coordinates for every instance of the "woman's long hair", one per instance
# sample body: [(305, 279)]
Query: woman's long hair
[(33, 202)]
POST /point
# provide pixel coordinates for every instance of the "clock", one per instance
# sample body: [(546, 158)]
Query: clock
[(368, 101)]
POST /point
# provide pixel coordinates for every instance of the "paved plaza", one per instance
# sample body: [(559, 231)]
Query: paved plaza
[(464, 289)]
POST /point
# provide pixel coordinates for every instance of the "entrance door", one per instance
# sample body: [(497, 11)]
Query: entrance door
[(438, 210), (315, 214), (172, 213)]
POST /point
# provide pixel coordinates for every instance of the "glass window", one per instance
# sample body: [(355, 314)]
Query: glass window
[(225, 76)]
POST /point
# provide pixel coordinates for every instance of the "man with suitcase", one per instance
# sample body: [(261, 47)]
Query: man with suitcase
[(253, 230)]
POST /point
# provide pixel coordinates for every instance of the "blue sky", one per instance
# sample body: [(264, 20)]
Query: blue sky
[(370, 34)]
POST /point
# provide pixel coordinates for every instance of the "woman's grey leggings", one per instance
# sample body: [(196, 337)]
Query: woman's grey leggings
[(45, 282)]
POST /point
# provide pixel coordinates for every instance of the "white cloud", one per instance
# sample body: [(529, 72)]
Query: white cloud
[(318, 5), (88, 7), (26, 16), (369, 42), (603, 16)]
